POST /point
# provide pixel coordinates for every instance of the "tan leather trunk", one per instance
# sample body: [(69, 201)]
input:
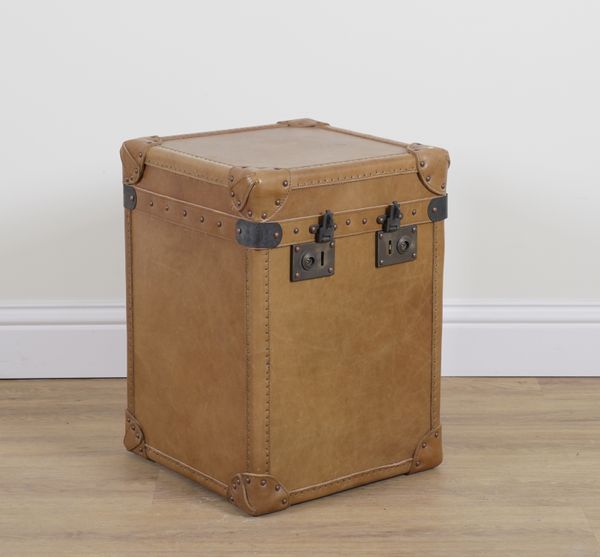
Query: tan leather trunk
[(284, 304)]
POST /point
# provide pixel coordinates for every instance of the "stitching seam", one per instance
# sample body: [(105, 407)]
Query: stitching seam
[(248, 370), (129, 286), (351, 477), (433, 398), (204, 177), (267, 367), (354, 177), (179, 464)]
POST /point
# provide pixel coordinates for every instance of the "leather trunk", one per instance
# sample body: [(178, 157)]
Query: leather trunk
[(284, 306)]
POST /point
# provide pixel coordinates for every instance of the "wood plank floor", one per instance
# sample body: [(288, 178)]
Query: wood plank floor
[(521, 476)]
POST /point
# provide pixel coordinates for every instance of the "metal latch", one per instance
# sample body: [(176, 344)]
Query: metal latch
[(315, 259), (395, 243)]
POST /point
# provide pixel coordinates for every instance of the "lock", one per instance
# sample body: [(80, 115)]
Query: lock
[(399, 246), (315, 259)]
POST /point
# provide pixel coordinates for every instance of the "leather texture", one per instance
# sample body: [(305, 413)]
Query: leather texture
[(267, 391)]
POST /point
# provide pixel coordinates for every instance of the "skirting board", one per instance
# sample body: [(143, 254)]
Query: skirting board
[(480, 337)]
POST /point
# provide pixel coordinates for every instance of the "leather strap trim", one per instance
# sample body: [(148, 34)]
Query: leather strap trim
[(293, 231)]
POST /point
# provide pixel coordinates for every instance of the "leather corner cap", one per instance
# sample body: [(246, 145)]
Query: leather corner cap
[(133, 156), (428, 453), (134, 436), (432, 166), (302, 123), (257, 494)]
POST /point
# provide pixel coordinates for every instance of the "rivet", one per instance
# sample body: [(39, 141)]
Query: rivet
[(278, 202), (285, 183), (237, 481), (413, 229), (275, 234), (238, 202), (418, 463), (413, 212), (428, 178), (335, 226), (238, 230), (284, 501), (234, 485), (231, 499), (184, 213), (249, 213), (379, 220), (137, 170), (128, 420), (277, 487), (434, 209), (331, 244), (132, 427), (219, 224), (151, 203), (414, 255), (348, 221), (296, 249), (167, 208), (247, 480), (380, 235), (330, 270), (312, 228), (263, 215), (364, 221), (297, 275), (423, 445), (437, 433), (201, 219), (443, 186), (422, 164), (140, 155), (231, 178), (137, 436), (263, 482), (296, 230)]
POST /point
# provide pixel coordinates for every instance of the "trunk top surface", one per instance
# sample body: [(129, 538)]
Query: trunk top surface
[(283, 147), (288, 170)]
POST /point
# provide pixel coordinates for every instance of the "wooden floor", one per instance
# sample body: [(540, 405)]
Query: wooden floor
[(521, 476)]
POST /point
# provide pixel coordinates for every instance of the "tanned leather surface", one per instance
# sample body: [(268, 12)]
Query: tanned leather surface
[(236, 372)]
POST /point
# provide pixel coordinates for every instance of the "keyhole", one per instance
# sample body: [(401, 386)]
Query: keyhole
[(390, 247)]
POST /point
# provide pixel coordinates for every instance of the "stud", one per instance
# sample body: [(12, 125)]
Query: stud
[(330, 270), (428, 178), (201, 219), (413, 212), (285, 183), (278, 202), (167, 208), (364, 221), (249, 213), (296, 230), (423, 445), (312, 228), (422, 164), (380, 220), (437, 433), (151, 203), (232, 194), (296, 249), (277, 487), (331, 244), (263, 482), (248, 480), (418, 463), (275, 234), (284, 501), (184, 213), (348, 222), (219, 224), (238, 230), (263, 215)]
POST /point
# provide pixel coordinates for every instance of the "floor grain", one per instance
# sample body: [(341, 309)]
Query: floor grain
[(521, 476)]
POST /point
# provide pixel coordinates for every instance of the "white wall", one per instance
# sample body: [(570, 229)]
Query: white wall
[(510, 88)]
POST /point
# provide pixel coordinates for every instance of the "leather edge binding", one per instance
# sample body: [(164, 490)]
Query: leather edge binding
[(258, 235), (134, 439), (428, 453), (257, 494), (438, 208), (133, 156)]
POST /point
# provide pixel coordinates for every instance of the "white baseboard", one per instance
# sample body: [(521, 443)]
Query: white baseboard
[(490, 338)]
